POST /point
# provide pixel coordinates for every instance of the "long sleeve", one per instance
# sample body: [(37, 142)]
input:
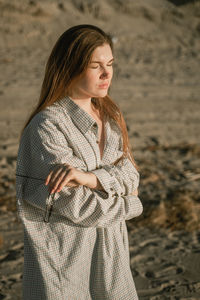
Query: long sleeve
[(122, 178), (45, 146)]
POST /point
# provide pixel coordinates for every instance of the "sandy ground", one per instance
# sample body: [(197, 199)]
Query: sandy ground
[(156, 85)]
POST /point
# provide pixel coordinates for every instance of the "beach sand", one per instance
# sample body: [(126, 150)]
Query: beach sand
[(157, 86)]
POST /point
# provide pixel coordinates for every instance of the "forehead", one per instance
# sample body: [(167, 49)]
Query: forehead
[(102, 53)]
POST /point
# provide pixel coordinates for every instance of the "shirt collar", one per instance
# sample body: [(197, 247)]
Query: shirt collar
[(79, 116)]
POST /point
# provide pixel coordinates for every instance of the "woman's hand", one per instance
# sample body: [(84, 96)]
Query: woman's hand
[(65, 175), (135, 192)]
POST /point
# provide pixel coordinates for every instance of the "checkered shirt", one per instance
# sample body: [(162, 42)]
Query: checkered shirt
[(76, 241)]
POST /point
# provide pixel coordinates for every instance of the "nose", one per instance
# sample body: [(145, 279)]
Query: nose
[(105, 73)]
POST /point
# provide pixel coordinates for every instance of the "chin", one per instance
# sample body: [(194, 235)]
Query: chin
[(102, 93)]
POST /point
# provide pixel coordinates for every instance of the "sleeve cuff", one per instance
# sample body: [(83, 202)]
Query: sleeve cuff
[(108, 182)]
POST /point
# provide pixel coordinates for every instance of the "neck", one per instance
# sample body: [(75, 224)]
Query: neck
[(84, 103)]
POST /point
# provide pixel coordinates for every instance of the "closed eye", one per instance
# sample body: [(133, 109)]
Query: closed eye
[(98, 66)]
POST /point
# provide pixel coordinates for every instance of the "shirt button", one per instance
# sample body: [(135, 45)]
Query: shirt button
[(111, 189), (115, 194)]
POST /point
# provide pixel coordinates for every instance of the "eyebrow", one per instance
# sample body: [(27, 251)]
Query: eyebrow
[(100, 61)]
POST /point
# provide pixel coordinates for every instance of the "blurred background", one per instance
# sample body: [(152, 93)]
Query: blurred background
[(156, 84)]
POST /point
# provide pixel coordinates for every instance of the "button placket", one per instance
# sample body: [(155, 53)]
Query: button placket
[(95, 131)]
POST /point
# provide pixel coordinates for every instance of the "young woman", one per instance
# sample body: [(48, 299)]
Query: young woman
[(76, 179)]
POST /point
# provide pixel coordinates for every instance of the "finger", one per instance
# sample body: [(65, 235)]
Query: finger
[(63, 182), (62, 176), (58, 173), (67, 180), (71, 183), (48, 178)]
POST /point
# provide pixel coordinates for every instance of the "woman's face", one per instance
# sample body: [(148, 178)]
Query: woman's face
[(97, 77)]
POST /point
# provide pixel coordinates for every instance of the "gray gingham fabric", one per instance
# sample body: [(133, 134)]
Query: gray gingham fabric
[(76, 241)]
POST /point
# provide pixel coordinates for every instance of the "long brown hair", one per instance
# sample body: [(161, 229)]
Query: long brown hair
[(67, 62)]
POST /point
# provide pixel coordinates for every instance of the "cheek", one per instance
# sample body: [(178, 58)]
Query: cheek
[(111, 74), (91, 79)]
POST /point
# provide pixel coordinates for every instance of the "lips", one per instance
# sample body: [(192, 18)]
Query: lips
[(103, 86)]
